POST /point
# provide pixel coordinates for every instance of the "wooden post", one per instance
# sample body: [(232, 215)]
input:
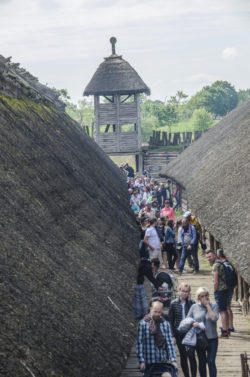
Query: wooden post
[(96, 106), (217, 245), (244, 365), (245, 301), (138, 122), (140, 163), (118, 126), (211, 241), (239, 288)]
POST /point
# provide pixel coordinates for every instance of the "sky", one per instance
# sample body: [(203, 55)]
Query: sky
[(172, 44)]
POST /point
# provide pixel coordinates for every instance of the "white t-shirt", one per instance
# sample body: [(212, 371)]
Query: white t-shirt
[(153, 237), (183, 310)]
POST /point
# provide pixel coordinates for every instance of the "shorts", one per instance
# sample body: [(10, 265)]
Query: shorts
[(230, 296), (221, 299), (156, 253)]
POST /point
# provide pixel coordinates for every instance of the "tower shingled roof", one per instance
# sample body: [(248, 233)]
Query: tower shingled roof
[(115, 76)]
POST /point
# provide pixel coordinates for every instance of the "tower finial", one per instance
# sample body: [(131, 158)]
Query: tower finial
[(113, 41)]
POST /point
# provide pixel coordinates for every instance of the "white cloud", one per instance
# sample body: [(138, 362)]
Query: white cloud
[(200, 77), (173, 44), (229, 53)]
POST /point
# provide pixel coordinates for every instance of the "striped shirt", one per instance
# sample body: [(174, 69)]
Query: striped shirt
[(146, 349)]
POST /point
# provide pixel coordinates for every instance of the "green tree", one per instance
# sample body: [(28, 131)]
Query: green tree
[(218, 99), (85, 111), (166, 114), (201, 119), (243, 95), (179, 99)]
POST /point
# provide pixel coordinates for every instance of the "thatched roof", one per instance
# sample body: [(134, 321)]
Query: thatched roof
[(68, 248), (215, 173), (19, 83), (115, 76)]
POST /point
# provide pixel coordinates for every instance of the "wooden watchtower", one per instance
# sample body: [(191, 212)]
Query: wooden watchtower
[(116, 87)]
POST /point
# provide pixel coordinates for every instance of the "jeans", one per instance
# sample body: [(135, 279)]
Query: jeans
[(171, 254), (194, 253), (184, 255), (184, 358), (208, 358)]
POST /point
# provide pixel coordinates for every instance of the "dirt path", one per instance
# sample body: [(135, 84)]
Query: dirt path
[(228, 355)]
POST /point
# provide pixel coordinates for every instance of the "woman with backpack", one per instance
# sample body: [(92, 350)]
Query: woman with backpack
[(231, 281)]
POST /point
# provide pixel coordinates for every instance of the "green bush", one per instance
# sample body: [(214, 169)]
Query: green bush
[(201, 119)]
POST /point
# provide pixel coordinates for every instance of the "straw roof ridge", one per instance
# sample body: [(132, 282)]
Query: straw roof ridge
[(115, 76), (19, 83), (214, 171)]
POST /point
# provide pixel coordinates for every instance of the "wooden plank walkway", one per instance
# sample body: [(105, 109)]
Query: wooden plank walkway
[(229, 350)]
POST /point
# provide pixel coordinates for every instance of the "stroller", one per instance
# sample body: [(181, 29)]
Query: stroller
[(160, 369), (170, 285)]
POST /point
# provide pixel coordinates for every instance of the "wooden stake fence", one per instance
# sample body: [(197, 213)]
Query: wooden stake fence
[(160, 138)]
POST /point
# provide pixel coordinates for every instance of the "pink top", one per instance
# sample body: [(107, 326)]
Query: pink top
[(169, 212)]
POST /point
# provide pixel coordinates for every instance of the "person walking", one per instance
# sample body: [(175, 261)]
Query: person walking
[(170, 244), (152, 240), (206, 313), (168, 211), (220, 290), (188, 238), (192, 220), (154, 340), (233, 282), (177, 312)]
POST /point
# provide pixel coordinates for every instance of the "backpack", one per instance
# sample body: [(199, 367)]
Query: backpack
[(231, 276)]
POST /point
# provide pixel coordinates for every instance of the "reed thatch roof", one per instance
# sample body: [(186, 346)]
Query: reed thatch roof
[(115, 76), (68, 248), (19, 83), (214, 170)]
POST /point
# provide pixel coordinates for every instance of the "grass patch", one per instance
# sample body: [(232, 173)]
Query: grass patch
[(118, 160), (187, 126)]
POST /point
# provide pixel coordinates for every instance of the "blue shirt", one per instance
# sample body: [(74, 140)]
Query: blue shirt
[(191, 231), (170, 235), (146, 349)]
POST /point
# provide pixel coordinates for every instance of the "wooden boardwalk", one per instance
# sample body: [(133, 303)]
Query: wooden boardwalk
[(228, 356)]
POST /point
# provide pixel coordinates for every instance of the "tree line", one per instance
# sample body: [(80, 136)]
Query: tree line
[(210, 103)]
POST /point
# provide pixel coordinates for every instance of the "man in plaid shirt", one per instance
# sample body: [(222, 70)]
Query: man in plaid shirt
[(154, 340)]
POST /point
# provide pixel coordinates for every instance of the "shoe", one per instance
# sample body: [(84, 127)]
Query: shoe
[(231, 329), (195, 272), (224, 335), (185, 271)]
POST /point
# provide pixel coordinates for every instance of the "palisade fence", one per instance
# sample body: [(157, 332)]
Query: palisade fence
[(86, 130), (160, 138)]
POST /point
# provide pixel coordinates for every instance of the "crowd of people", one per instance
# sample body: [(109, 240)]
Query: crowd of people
[(166, 244), (171, 240)]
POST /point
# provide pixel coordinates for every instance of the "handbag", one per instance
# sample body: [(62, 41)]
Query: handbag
[(201, 342)]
